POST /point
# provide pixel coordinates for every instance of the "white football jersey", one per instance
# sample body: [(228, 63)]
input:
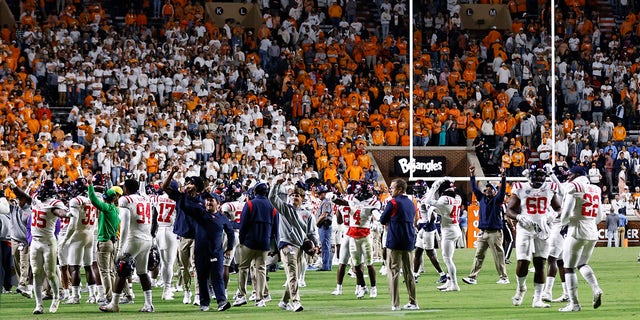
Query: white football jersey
[(534, 202), (84, 215), (362, 214), (139, 208), (43, 221), (233, 210), (448, 208), (166, 209), (581, 209)]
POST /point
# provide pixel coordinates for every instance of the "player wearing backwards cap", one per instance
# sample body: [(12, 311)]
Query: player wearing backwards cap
[(136, 233), (166, 239), (258, 232), (209, 224), (528, 205), (108, 223), (45, 211), (80, 240), (491, 223), (447, 203), (581, 211)]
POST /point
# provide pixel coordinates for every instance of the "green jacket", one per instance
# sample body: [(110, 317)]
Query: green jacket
[(108, 219)]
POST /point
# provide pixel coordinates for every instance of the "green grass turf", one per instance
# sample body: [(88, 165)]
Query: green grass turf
[(616, 269)]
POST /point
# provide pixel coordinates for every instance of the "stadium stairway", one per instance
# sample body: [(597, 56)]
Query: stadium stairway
[(369, 14), (608, 20)]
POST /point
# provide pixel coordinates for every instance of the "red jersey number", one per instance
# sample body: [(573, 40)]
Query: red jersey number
[(166, 211), (536, 205), (143, 210), (590, 205), (38, 219), (90, 215)]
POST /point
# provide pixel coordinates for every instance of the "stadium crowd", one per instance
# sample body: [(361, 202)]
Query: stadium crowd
[(307, 92)]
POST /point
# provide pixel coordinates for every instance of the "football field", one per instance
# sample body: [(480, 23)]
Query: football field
[(617, 270)]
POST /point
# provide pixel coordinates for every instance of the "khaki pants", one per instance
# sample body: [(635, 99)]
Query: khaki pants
[(397, 259), (291, 260), (106, 264), (489, 239), (21, 262), (621, 235), (185, 254), (259, 258)]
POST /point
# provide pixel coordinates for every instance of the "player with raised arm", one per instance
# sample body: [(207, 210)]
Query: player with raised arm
[(343, 218), (426, 234), (136, 234), (447, 205), (166, 239), (45, 211), (528, 205), (80, 239), (581, 212), (365, 209)]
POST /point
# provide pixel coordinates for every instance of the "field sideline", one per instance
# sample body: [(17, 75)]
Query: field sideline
[(617, 270)]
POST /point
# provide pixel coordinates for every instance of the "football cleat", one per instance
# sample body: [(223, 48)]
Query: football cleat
[(597, 299), (110, 308), (240, 301), (297, 307), (469, 280), (443, 279), (503, 281), (224, 306), (285, 306), (196, 300), (517, 298), (55, 303), (72, 300), (148, 308), (562, 298), (410, 306), (571, 308), (187, 297), (261, 304), (373, 293), (38, 310), (451, 288), (540, 304)]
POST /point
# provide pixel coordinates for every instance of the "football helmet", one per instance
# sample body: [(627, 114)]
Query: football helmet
[(153, 189), (78, 187), (445, 186), (48, 189), (154, 258), (419, 188), (125, 265), (536, 176)]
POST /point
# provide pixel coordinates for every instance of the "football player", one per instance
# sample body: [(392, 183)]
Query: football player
[(528, 205), (136, 231), (447, 205), (582, 212), (232, 209), (45, 211), (167, 240), (426, 236), (343, 218), (63, 249), (79, 240), (556, 241), (365, 209)]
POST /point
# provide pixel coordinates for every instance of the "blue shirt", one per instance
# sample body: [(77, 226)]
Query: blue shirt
[(259, 224), (398, 217), (183, 224), (622, 220), (490, 214), (208, 229)]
